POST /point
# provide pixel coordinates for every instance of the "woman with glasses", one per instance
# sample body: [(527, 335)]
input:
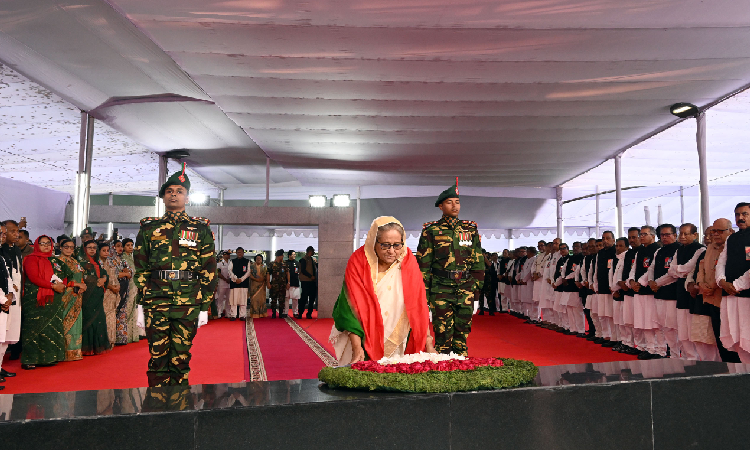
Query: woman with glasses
[(73, 300), (94, 331), (382, 309), (46, 281)]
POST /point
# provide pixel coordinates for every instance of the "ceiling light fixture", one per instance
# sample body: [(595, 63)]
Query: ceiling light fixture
[(684, 110), (341, 200), (318, 201), (198, 198), (177, 154)]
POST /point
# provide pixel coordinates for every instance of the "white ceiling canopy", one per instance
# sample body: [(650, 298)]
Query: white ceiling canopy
[(503, 94)]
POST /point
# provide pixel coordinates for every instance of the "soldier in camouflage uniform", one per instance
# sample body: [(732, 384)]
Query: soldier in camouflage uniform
[(279, 274), (175, 273), (450, 257)]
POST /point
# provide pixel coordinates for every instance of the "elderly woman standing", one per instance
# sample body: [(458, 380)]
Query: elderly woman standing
[(94, 331), (73, 300), (134, 334), (382, 309), (47, 279)]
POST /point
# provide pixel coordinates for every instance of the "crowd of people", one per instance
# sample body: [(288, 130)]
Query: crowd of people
[(658, 293), (64, 301), (249, 288)]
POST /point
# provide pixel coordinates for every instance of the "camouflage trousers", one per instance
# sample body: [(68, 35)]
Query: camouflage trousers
[(170, 332), (452, 308), (278, 298)]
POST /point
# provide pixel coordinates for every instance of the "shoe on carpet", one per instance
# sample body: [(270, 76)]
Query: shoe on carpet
[(645, 355), (273, 315), (28, 366), (308, 316), (609, 343), (2, 380), (492, 314), (232, 319), (481, 312), (282, 315), (6, 374), (2, 387)]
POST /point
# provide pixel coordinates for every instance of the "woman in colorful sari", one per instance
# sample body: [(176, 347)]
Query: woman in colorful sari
[(47, 279), (257, 307), (124, 274), (72, 317), (111, 291), (134, 333), (382, 309), (94, 330)]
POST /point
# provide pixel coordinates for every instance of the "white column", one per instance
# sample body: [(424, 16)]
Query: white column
[(220, 241), (110, 225), (357, 230), (83, 177), (700, 136), (510, 239), (682, 205), (162, 178), (597, 212), (647, 213), (618, 195), (659, 216), (558, 195), (268, 180)]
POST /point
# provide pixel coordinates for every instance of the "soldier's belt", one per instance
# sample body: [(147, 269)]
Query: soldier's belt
[(174, 275), (455, 275)]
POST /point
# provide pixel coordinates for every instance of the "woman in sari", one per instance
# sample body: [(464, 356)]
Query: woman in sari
[(257, 307), (94, 331), (134, 334), (382, 309), (111, 292), (72, 317), (47, 279), (124, 274)]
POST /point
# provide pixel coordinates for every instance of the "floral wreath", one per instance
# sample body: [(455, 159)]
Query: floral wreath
[(447, 375)]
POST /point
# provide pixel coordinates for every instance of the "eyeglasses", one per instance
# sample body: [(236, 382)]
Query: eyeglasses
[(666, 234), (45, 244), (68, 246), (644, 234), (388, 245)]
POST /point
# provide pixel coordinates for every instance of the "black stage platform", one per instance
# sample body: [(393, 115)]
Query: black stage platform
[(659, 404)]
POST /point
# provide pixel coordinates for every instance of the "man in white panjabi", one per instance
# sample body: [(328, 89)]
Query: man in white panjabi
[(239, 272), (382, 309)]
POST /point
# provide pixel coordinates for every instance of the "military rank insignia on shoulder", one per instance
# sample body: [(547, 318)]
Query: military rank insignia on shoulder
[(202, 220), (428, 224), (147, 220)]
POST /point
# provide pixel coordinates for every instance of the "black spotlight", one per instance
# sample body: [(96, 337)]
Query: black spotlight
[(177, 154), (684, 110)]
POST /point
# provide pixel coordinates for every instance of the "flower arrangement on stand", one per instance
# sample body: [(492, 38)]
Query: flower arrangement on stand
[(430, 372)]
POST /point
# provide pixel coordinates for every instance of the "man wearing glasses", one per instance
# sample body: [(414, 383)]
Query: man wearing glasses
[(664, 288), (644, 308), (450, 258), (733, 276)]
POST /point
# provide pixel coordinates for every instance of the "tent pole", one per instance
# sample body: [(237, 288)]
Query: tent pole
[(510, 239), (558, 195), (647, 213), (83, 178), (701, 141), (220, 241), (618, 194), (159, 205), (682, 205), (356, 223), (268, 179), (597, 211)]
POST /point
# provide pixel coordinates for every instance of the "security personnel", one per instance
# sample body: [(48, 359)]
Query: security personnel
[(450, 257), (175, 273), (278, 273)]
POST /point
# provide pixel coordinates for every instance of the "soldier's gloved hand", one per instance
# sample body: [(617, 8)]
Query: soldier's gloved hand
[(202, 318), (140, 321)]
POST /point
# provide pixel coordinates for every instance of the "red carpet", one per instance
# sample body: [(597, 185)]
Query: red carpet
[(217, 358), (285, 355), (509, 337)]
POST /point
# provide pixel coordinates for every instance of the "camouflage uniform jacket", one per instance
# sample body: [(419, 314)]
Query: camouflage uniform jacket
[(278, 270), (175, 241), (451, 244)]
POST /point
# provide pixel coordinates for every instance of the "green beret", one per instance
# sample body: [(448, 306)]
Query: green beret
[(451, 192), (177, 179)]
